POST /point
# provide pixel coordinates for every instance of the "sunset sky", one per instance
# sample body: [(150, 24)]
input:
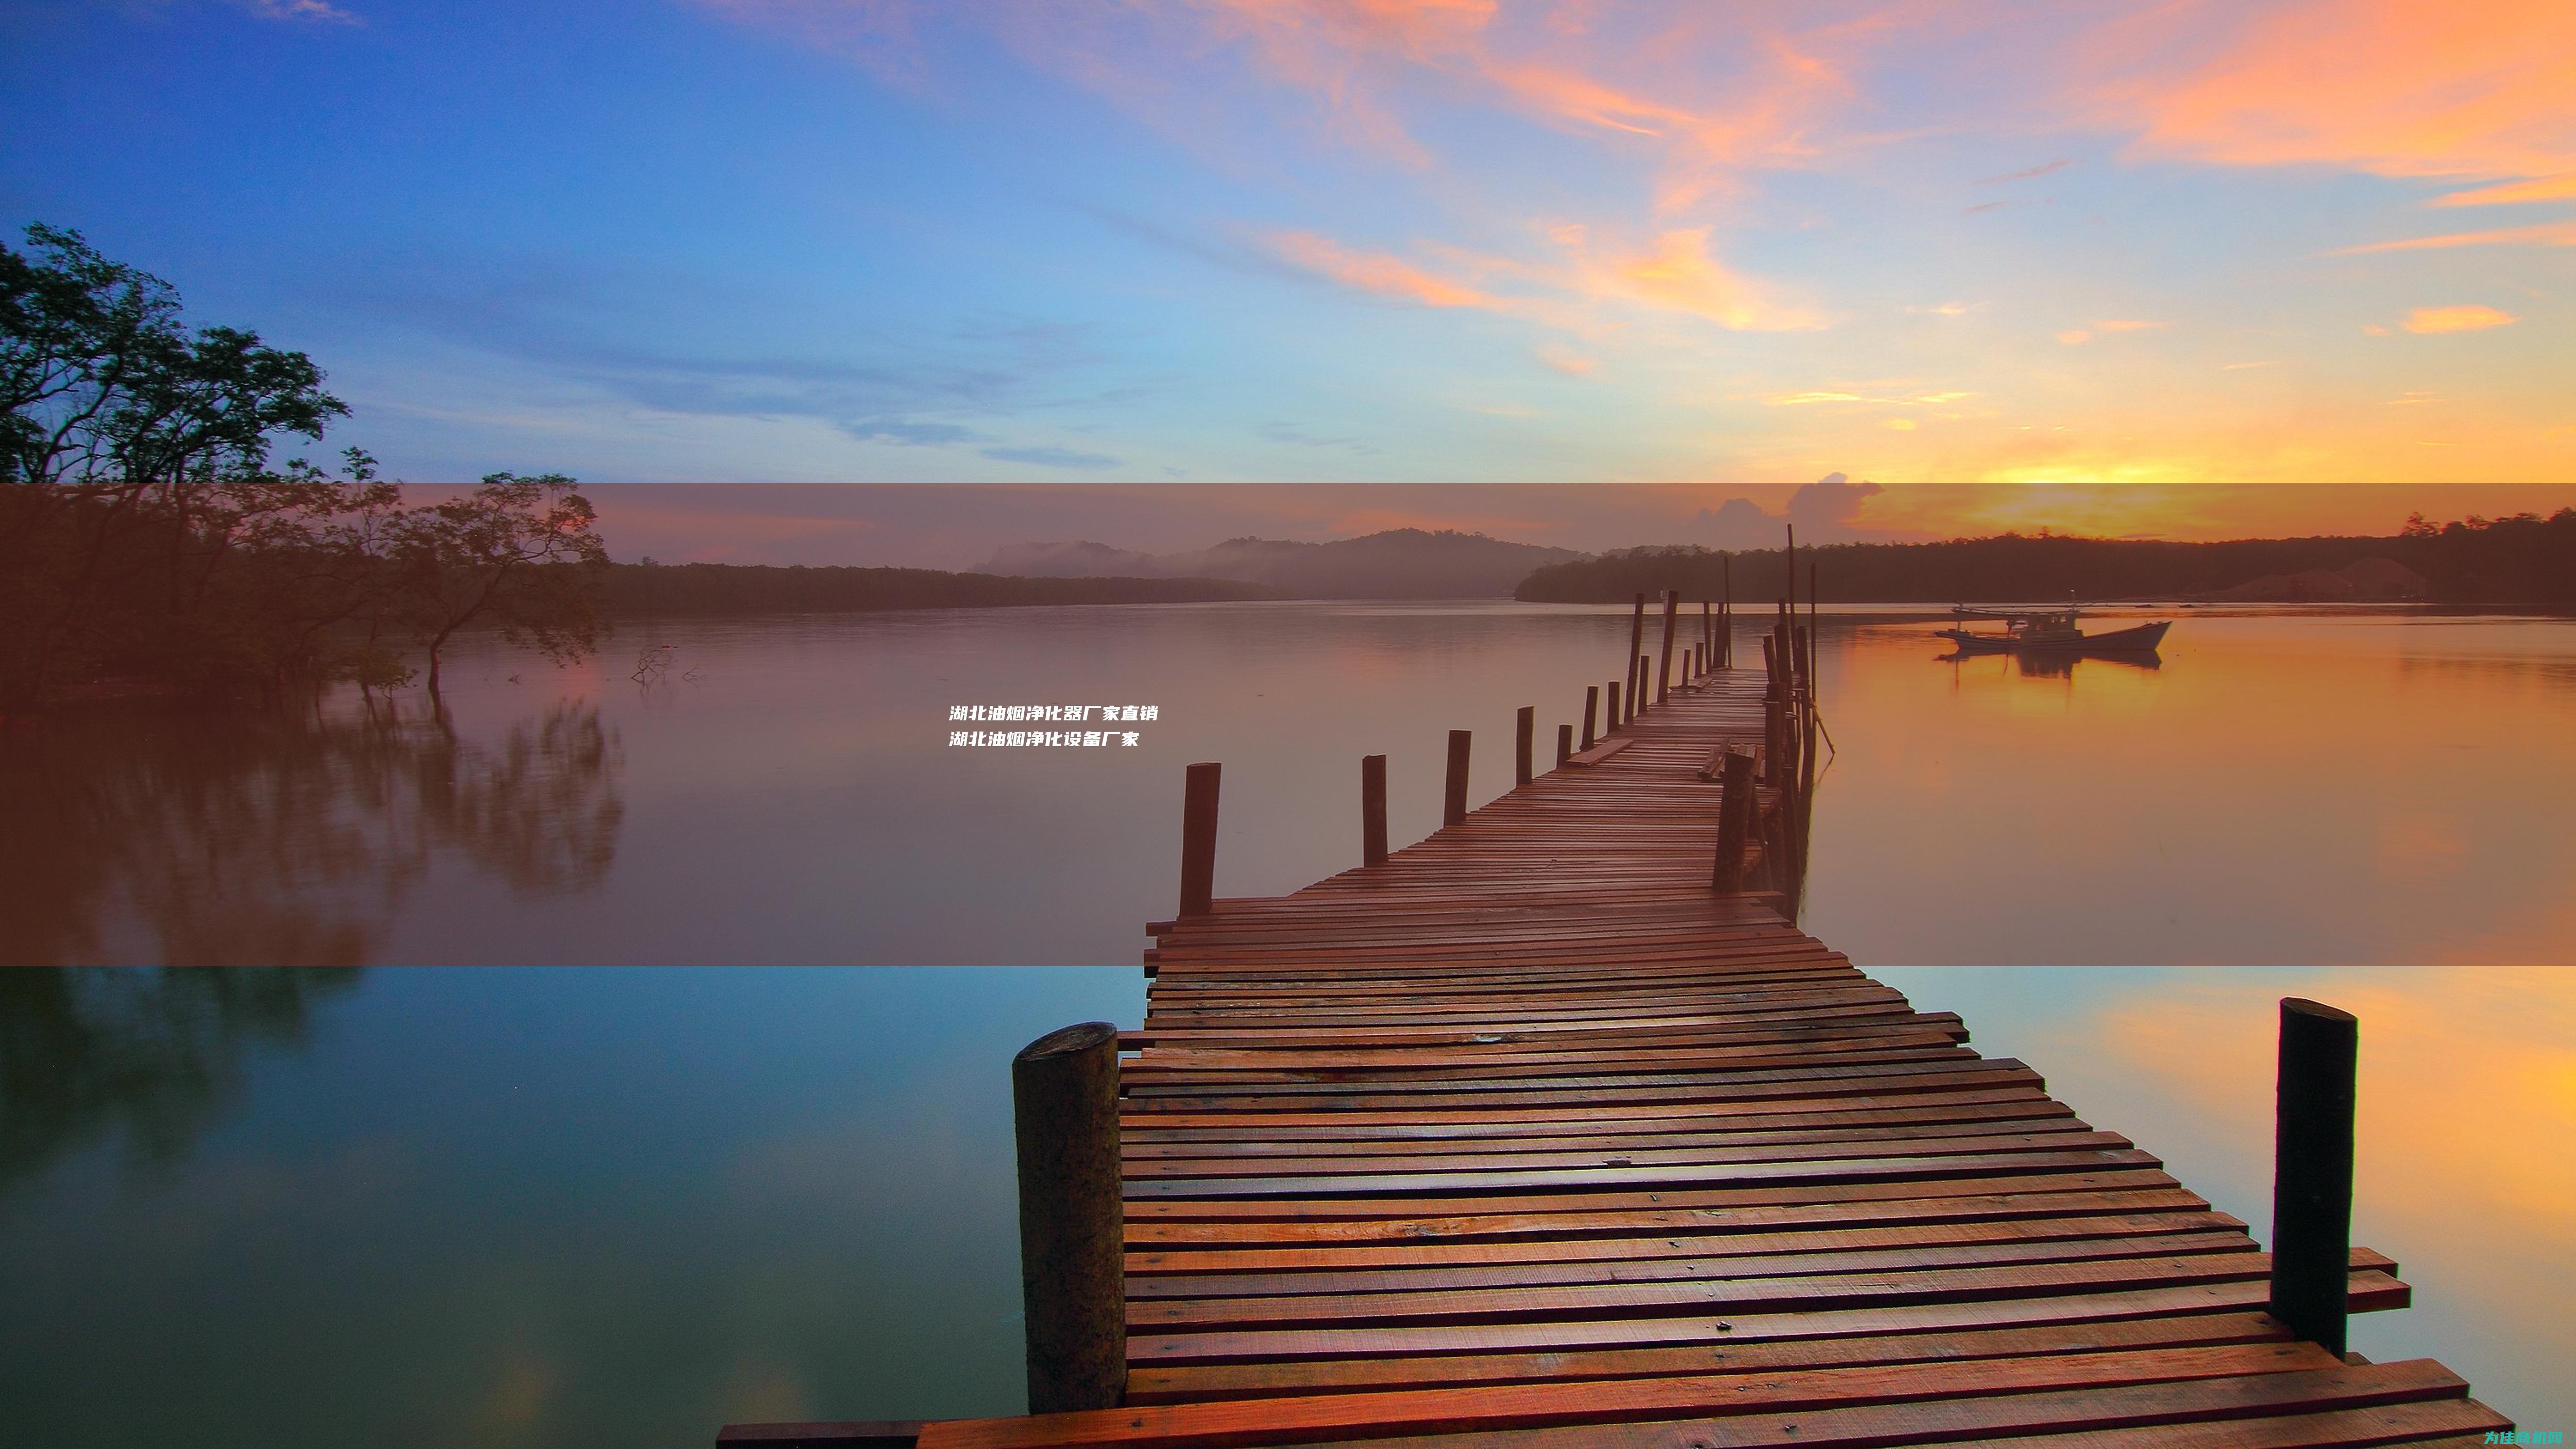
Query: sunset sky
[(1368, 240)]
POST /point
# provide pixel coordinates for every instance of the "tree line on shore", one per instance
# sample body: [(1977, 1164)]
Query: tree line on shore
[(2524, 559), (148, 543)]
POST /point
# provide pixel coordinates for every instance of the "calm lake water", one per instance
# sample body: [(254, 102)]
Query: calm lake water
[(552, 1207)]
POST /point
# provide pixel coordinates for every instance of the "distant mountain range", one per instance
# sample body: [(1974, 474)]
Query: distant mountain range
[(1402, 563)]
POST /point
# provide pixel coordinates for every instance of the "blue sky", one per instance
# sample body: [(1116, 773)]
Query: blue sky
[(1402, 240)]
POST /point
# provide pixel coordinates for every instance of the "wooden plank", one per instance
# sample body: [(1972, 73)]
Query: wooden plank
[(2370, 1292), (1490, 1408), (1600, 752)]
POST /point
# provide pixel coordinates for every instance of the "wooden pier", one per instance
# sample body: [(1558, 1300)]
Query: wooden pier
[(1526, 1137)]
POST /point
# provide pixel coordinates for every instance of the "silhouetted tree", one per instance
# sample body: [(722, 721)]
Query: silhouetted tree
[(134, 462), (516, 553), (143, 530)]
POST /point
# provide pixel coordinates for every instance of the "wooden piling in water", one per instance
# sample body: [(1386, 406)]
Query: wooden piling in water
[(1524, 736), (1373, 809), (1664, 660), (1198, 839), (1726, 611), (1453, 796), (1735, 807), (1564, 743), (2312, 1170), (1591, 711), (1613, 687), (1073, 1259), (1636, 651)]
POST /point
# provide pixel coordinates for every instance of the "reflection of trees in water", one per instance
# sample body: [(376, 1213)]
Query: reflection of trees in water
[(272, 841), (85, 1051)]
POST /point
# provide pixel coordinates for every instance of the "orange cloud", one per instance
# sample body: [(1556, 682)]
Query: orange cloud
[(1679, 275), (2547, 188), (2396, 87), (2546, 234), (1580, 98), (2457, 319), (1377, 272), (1676, 275)]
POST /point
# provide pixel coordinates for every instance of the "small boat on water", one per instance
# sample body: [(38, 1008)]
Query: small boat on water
[(2047, 631)]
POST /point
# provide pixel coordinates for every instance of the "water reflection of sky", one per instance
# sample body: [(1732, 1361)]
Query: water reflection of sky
[(2346, 787), (2467, 1107), (554, 1208), (2281, 789)]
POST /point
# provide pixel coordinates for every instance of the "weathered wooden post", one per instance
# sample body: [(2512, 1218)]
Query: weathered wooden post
[(2312, 1170), (1637, 696), (1726, 611), (1073, 1259), (1372, 809), (1564, 744), (1772, 690), (1664, 659), (1613, 687), (1636, 651), (1801, 653), (1453, 798), (1524, 736), (1776, 864), (1734, 821), (1198, 840), (1591, 711)]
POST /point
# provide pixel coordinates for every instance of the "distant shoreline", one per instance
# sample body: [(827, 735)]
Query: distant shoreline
[(646, 590)]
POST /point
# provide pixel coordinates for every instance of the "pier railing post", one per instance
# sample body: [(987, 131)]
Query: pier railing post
[(1198, 840), (1636, 681), (1664, 656), (1373, 809), (1734, 821), (1774, 707), (2312, 1170), (1453, 793), (1564, 743), (1591, 711), (1615, 721), (1073, 1263), (1524, 737)]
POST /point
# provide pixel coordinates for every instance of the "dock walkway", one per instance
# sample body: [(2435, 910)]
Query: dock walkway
[(1526, 1138)]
